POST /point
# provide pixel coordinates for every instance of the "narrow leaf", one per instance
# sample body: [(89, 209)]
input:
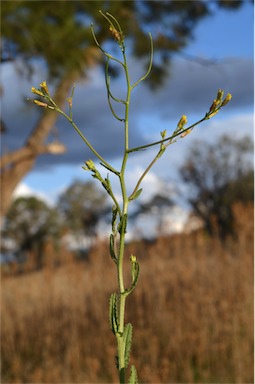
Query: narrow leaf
[(112, 252), (123, 224), (135, 271), (113, 313), (135, 195), (133, 379), (127, 336)]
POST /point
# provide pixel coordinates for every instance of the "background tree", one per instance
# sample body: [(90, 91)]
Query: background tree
[(29, 224), (154, 212), (217, 176), (81, 206), (60, 37)]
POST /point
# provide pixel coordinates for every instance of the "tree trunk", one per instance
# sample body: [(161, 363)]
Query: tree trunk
[(15, 165)]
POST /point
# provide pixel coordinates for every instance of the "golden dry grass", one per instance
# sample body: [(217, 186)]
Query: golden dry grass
[(192, 313)]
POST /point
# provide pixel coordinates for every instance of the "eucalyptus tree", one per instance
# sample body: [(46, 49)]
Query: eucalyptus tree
[(59, 36), (81, 206), (29, 224), (217, 176)]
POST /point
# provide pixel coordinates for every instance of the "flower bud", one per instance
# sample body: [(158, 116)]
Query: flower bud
[(90, 165), (182, 122), (212, 114), (70, 101), (44, 88), (133, 259), (163, 134), (227, 99), (118, 36), (220, 95), (40, 103), (36, 91), (185, 133), (214, 105)]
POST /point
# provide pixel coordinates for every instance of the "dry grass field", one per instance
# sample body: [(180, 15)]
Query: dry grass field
[(192, 313)]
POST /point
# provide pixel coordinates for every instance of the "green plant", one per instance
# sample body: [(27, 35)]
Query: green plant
[(123, 332)]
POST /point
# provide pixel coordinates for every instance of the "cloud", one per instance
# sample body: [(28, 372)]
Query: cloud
[(189, 90), (24, 190)]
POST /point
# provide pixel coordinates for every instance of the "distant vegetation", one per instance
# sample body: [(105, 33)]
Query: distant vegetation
[(195, 327), (217, 176)]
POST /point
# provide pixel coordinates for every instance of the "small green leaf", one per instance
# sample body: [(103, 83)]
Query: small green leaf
[(135, 195), (163, 134), (161, 151), (114, 217), (113, 313), (127, 338), (112, 251), (122, 226), (133, 379), (109, 169), (135, 271)]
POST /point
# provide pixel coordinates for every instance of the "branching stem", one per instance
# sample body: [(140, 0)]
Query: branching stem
[(122, 331)]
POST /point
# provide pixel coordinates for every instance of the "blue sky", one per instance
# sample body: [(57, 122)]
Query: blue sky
[(225, 40)]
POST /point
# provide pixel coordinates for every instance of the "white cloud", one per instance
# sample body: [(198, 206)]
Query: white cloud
[(23, 190)]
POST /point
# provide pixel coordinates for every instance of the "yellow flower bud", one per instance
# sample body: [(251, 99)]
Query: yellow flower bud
[(182, 122), (213, 114), (186, 133), (220, 94), (133, 259), (163, 134), (36, 91), (70, 101), (227, 99), (44, 87), (40, 103), (214, 105), (90, 165), (118, 36)]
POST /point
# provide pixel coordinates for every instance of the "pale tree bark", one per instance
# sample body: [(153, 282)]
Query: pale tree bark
[(15, 165)]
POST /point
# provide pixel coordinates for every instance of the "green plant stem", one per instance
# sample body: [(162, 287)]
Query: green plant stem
[(86, 141), (143, 176), (174, 135), (122, 302), (122, 332), (170, 138)]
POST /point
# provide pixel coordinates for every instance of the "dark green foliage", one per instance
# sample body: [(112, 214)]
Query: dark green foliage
[(217, 177), (82, 205), (61, 34), (29, 223)]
